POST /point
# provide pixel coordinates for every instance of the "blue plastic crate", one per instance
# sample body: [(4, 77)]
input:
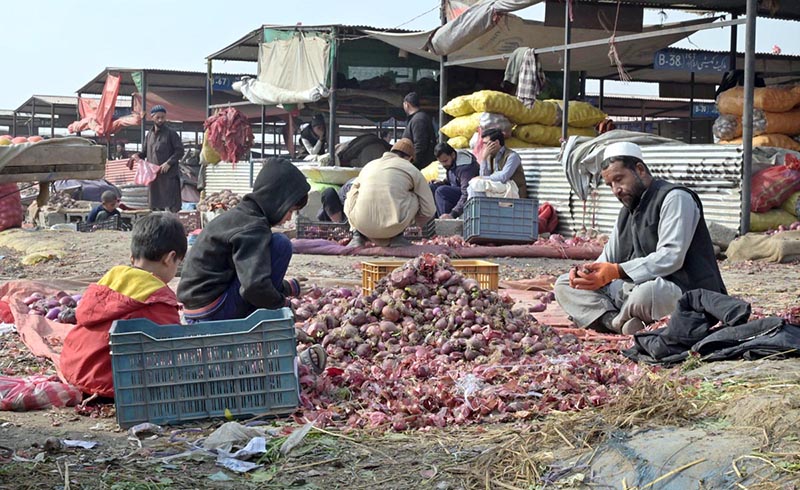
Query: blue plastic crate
[(167, 374), (501, 221)]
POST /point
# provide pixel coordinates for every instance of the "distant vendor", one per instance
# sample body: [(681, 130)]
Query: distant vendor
[(501, 169), (451, 194), (163, 147), (313, 136), (419, 129), (389, 195)]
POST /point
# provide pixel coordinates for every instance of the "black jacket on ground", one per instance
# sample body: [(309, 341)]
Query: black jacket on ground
[(419, 129), (691, 329), (236, 243)]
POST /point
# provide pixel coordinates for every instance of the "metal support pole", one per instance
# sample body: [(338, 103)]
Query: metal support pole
[(144, 111), (334, 70), (52, 120), (78, 111), (602, 92), (33, 118), (583, 85), (747, 116), (263, 137), (394, 129), (209, 79), (734, 42), (691, 109), (442, 77), (14, 124), (567, 41), (275, 138)]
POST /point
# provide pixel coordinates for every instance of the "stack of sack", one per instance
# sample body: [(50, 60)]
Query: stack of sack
[(539, 126), (774, 195), (776, 117)]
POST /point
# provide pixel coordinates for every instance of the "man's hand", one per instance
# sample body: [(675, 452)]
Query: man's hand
[(318, 132), (491, 149), (305, 287), (164, 168), (446, 216), (131, 160), (594, 276)]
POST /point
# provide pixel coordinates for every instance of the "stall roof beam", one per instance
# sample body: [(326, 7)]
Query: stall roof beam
[(786, 10), (600, 42)]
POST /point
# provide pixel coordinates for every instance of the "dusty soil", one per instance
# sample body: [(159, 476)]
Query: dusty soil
[(746, 414)]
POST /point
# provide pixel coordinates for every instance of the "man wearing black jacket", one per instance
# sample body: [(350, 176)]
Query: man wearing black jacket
[(451, 194), (419, 129), (238, 264)]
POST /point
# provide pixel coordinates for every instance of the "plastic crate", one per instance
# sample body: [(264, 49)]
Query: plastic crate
[(486, 273), (327, 230), (190, 220), (112, 223), (501, 221), (166, 374)]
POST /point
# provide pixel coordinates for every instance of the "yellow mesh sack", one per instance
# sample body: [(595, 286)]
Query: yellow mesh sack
[(547, 135), (518, 143), (462, 126), (459, 142), (460, 106), (208, 153), (431, 172), (545, 112), (790, 205), (770, 220), (581, 114), (498, 103)]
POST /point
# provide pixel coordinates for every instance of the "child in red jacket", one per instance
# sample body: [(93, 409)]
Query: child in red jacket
[(158, 245)]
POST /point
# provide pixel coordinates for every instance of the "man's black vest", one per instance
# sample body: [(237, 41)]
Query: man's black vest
[(638, 237)]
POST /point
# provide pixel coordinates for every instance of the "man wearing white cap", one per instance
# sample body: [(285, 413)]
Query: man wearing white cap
[(659, 249)]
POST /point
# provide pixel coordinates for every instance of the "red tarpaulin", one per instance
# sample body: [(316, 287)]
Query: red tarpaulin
[(97, 115)]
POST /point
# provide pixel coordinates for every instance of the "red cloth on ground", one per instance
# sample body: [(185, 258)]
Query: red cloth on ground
[(124, 293)]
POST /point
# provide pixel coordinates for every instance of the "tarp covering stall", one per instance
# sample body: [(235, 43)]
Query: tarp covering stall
[(513, 32), (304, 61)]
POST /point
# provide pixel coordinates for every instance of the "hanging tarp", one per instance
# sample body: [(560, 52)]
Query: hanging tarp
[(99, 117), (471, 24), (291, 70), (513, 32)]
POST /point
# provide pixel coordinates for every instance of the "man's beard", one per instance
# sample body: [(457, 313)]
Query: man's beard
[(632, 199)]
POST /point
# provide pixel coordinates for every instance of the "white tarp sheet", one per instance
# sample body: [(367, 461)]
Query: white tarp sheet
[(513, 32), (290, 71), (472, 24)]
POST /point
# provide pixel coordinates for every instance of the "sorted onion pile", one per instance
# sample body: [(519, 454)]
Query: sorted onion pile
[(579, 240), (222, 200), (453, 242), (60, 307), (62, 199), (430, 348)]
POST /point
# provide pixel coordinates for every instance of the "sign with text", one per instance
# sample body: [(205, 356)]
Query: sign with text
[(705, 109), (223, 82), (691, 61)]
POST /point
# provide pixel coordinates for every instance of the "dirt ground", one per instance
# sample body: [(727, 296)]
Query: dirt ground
[(737, 429)]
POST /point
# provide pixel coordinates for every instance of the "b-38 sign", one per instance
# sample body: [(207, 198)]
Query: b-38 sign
[(691, 61)]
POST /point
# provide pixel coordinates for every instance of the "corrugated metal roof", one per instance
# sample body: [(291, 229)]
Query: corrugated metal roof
[(787, 10), (246, 47), (156, 79), (713, 171), (117, 172)]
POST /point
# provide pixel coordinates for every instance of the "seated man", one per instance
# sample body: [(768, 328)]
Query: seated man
[(106, 209), (312, 135), (158, 244), (501, 169), (451, 194), (389, 195), (332, 209), (659, 249)]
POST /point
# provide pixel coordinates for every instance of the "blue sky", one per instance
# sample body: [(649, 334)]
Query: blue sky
[(52, 47)]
